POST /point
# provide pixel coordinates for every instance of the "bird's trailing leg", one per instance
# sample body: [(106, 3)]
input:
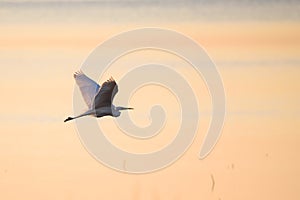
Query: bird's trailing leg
[(68, 119), (89, 112)]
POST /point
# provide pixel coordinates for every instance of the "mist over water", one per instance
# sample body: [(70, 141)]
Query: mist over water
[(254, 44), (73, 11)]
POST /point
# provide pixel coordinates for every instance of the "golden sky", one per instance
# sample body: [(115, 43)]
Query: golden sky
[(257, 55)]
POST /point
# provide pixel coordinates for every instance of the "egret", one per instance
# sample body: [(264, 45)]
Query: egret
[(98, 98)]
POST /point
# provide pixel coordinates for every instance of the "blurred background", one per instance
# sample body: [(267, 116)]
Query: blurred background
[(254, 44)]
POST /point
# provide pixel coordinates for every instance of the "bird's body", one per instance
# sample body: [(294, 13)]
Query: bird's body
[(98, 99)]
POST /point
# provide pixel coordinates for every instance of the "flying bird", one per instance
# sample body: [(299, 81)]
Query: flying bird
[(98, 98)]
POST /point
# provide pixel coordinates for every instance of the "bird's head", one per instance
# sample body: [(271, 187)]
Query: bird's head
[(116, 111)]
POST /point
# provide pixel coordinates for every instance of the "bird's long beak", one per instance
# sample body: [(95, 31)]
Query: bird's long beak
[(124, 108)]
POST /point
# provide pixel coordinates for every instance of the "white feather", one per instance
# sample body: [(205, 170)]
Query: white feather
[(88, 88)]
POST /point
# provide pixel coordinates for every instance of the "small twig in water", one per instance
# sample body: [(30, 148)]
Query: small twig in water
[(213, 182)]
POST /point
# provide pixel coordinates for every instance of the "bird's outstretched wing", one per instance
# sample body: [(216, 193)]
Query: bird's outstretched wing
[(87, 86), (106, 94)]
